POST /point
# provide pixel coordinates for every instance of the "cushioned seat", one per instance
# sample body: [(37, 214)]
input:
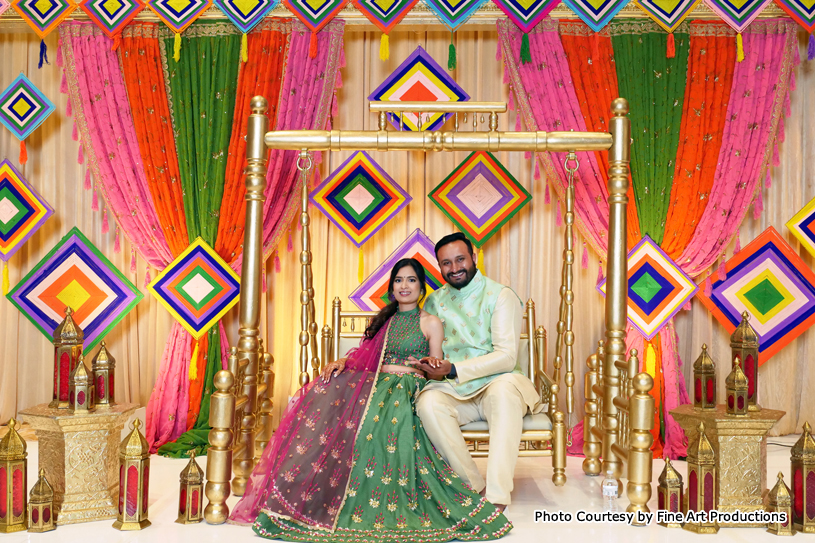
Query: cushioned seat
[(540, 421)]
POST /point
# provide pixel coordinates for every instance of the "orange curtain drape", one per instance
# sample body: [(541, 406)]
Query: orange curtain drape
[(261, 76), (144, 76), (711, 61)]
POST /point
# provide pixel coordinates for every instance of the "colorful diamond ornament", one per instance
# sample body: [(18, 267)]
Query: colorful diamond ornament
[(773, 284), (801, 11), (315, 14), (23, 107), (359, 197), (43, 16), (738, 13), (76, 275), (4, 5), (111, 16), (372, 294), (454, 13), (419, 78), (197, 288), (657, 288), (596, 13), (526, 14), (802, 226), (480, 196), (246, 14), (385, 14), (178, 14), (22, 210), (668, 14)]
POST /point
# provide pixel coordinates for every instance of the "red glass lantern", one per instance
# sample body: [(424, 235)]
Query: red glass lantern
[(669, 493), (736, 391), (102, 367), (744, 346), (80, 398), (704, 381), (191, 497), (68, 338), (701, 483), (780, 501), (13, 481), (41, 506), (134, 474), (802, 460)]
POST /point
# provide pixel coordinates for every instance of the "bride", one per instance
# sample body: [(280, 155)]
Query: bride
[(350, 460)]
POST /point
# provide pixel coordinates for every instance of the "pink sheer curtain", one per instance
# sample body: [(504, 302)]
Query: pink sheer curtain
[(102, 115), (545, 97)]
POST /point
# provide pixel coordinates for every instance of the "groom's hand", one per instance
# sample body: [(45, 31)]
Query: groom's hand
[(434, 368)]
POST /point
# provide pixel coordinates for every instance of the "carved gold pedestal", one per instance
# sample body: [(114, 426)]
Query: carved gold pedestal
[(79, 454), (740, 444)]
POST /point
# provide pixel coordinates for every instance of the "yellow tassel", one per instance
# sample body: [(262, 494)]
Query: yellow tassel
[(5, 278), (177, 47), (739, 48), (384, 47), (481, 260), (244, 48), (361, 270), (194, 361), (650, 359)]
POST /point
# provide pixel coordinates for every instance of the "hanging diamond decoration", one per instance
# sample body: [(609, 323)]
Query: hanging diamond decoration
[(178, 14), (738, 13), (480, 196), (76, 275), (43, 16), (4, 5), (802, 226), (197, 288), (246, 14), (315, 14), (773, 284), (454, 13), (596, 13), (801, 11), (419, 78), (668, 14), (385, 14), (657, 288), (526, 14), (23, 107), (111, 16), (372, 294), (22, 210), (359, 197)]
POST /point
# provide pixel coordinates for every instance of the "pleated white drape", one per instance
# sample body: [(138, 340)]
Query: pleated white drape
[(525, 254)]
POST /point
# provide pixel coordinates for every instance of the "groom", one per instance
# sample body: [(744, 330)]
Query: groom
[(480, 378)]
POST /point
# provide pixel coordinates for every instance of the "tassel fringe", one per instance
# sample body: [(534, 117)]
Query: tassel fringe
[(147, 279), (737, 247), (193, 373), (177, 47), (526, 55), (312, 46), (671, 51), (361, 266), (739, 48), (290, 243), (244, 48), (59, 53), (384, 48), (132, 261), (558, 217), (585, 261), (80, 157), (43, 54), (811, 47), (687, 306), (537, 175), (276, 263), (95, 201), (600, 273), (451, 56), (88, 185), (117, 244), (63, 84), (5, 278), (708, 287), (69, 111), (722, 269), (74, 133), (23, 152), (481, 261), (105, 223), (547, 198)]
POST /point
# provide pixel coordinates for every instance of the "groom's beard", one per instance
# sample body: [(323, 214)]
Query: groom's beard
[(461, 282)]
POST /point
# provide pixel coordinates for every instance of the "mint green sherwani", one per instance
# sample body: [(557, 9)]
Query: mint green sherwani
[(482, 328)]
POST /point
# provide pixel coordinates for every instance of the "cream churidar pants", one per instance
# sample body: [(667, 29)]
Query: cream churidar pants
[(502, 406)]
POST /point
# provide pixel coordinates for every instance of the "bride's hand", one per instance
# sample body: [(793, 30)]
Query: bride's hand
[(332, 369)]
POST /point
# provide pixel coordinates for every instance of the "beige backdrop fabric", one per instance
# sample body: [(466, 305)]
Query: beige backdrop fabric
[(525, 254)]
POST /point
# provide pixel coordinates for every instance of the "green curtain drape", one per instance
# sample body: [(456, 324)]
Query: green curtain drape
[(657, 85), (202, 87)]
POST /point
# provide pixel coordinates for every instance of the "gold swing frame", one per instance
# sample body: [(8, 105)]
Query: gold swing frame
[(237, 438)]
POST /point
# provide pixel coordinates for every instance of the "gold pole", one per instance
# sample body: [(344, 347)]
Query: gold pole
[(617, 281), (304, 164), (591, 445), (219, 454), (640, 458), (249, 331), (266, 405)]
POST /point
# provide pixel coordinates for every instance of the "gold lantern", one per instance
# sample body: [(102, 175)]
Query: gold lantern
[(669, 495), (802, 460), (701, 484), (744, 346), (80, 399), (736, 391), (13, 481), (102, 368), (41, 506), (191, 500), (134, 475), (704, 381), (780, 501), (68, 338)]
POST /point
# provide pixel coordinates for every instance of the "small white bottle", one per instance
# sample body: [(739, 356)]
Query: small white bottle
[(611, 490)]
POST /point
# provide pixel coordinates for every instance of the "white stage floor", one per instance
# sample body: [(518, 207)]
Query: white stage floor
[(533, 491)]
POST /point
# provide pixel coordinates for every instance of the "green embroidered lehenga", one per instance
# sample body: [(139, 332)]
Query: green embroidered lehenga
[(397, 488)]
